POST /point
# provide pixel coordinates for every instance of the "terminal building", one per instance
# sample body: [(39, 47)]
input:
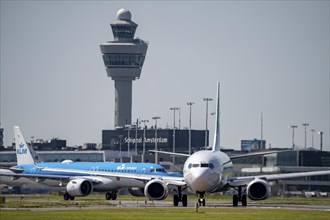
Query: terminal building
[(127, 139)]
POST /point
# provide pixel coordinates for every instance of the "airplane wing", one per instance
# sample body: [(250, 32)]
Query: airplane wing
[(39, 178), (170, 153), (239, 156), (233, 157), (93, 176), (172, 180), (245, 180)]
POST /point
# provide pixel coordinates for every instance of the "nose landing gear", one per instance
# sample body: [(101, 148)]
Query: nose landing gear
[(201, 198)]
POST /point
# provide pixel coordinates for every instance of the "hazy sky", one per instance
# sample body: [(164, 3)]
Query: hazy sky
[(270, 57)]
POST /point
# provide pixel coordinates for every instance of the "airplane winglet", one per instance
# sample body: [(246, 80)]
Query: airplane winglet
[(23, 152), (216, 142)]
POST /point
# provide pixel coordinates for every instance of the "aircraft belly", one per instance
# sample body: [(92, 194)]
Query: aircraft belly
[(118, 182)]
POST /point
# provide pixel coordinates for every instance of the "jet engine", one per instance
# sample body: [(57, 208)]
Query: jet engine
[(79, 187), (135, 191), (258, 189), (156, 190)]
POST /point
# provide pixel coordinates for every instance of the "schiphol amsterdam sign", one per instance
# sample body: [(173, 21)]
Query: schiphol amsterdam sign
[(160, 140)]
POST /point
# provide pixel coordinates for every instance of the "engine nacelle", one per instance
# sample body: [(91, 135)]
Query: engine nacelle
[(79, 187), (135, 191), (258, 189), (156, 190)]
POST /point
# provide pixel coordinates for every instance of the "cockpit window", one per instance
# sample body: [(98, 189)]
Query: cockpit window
[(160, 170), (202, 165)]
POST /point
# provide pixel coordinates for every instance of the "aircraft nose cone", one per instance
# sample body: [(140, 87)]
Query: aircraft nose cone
[(202, 180)]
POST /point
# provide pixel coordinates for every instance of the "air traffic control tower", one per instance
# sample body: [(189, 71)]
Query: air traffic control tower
[(123, 58)]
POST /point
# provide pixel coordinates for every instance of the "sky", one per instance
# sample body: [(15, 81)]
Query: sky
[(270, 57)]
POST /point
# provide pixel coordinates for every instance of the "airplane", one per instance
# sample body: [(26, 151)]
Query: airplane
[(82, 178), (209, 171)]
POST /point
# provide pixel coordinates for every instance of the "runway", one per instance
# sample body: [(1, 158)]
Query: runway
[(72, 205)]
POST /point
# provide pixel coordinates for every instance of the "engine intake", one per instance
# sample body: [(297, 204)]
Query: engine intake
[(258, 189), (156, 190), (79, 187)]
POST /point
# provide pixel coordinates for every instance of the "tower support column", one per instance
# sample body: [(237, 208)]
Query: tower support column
[(123, 102)]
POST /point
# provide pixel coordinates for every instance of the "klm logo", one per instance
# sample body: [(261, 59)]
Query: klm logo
[(21, 149)]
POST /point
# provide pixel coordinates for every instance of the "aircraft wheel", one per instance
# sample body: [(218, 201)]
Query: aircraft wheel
[(66, 196), (244, 200), (201, 202), (108, 196), (184, 200), (175, 200), (235, 200), (114, 196)]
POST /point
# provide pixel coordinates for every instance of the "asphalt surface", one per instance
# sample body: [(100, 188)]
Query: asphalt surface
[(168, 204)]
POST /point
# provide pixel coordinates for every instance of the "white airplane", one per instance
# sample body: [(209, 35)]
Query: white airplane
[(210, 171), (82, 178)]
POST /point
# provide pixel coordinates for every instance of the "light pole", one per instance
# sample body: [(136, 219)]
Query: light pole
[(207, 110), (179, 118), (190, 104), (321, 139), (136, 130), (143, 141), (293, 127), (312, 130), (174, 109), (305, 125), (128, 139), (121, 158), (156, 148)]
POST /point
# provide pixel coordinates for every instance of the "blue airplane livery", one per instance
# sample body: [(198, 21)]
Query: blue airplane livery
[(83, 178)]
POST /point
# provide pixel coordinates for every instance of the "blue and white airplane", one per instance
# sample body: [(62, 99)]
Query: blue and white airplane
[(82, 178)]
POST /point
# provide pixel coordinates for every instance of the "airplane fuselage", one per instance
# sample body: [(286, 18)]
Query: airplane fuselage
[(108, 183), (207, 171)]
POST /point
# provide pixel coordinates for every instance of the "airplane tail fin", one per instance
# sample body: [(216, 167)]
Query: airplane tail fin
[(216, 142), (23, 152)]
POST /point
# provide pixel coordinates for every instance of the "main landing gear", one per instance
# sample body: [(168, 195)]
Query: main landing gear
[(66, 196), (111, 195), (201, 198), (179, 197), (239, 197)]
